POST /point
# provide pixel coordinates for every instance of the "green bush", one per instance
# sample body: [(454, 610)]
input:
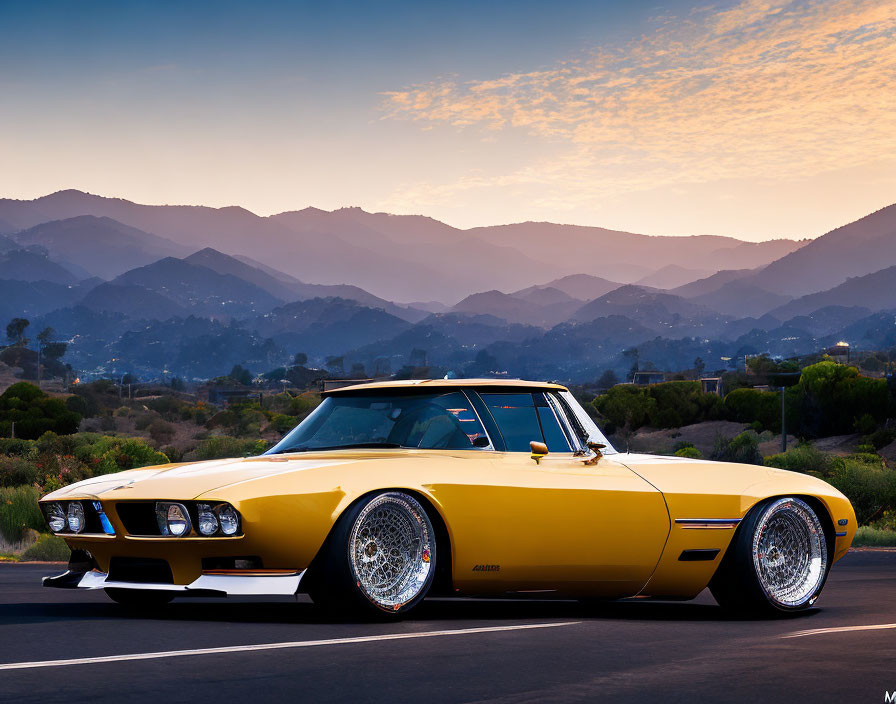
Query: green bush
[(743, 448), (803, 458), (867, 536), (16, 471), (19, 511), (48, 548), (759, 408), (669, 405), (881, 438), (34, 413), (691, 452), (221, 447), (869, 485)]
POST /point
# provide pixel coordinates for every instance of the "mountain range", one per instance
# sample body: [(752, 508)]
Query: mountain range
[(191, 290)]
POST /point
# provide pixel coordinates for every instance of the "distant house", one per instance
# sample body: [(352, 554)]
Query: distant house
[(711, 385), (219, 395), (645, 378)]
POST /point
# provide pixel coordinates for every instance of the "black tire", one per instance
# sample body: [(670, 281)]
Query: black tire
[(777, 563), (140, 598), (378, 561)]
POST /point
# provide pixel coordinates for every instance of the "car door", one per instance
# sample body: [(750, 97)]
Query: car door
[(558, 524)]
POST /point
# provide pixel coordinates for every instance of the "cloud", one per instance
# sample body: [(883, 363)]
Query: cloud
[(764, 89)]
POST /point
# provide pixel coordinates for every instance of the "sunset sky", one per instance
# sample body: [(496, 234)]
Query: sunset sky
[(758, 119)]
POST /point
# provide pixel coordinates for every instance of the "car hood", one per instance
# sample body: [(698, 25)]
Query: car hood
[(188, 480)]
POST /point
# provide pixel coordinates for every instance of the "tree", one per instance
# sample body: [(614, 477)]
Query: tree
[(699, 366), (608, 379), (300, 360), (358, 371), (15, 331), (241, 375), (334, 364)]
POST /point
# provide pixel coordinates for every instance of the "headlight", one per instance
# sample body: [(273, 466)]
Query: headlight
[(173, 519), (75, 517), (229, 520), (56, 518), (208, 521)]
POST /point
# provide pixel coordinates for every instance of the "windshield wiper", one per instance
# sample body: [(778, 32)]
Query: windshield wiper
[(350, 446)]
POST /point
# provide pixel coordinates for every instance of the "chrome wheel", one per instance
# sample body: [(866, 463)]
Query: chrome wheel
[(391, 550), (790, 553)]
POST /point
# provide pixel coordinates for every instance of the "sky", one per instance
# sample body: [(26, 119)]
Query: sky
[(753, 118)]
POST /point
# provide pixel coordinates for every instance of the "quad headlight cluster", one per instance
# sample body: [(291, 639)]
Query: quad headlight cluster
[(72, 517), (211, 520)]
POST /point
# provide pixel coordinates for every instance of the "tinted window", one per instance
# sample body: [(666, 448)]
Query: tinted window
[(554, 437), (517, 419), (427, 421)]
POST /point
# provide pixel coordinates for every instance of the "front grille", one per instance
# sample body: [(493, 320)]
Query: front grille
[(139, 569), (138, 517)]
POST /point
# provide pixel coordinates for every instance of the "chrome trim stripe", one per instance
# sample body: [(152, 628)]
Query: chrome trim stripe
[(707, 523), (232, 585)]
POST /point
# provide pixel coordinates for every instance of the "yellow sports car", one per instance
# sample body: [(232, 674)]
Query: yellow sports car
[(389, 492)]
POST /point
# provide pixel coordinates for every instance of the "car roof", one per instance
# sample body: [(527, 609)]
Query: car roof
[(422, 384)]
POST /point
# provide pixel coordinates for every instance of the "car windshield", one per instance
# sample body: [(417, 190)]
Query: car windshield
[(425, 421)]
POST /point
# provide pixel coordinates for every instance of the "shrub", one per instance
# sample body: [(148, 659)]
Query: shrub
[(48, 548), (881, 438), (220, 447), (743, 448), (867, 536), (762, 409), (869, 485), (15, 471), (691, 452), (34, 413), (161, 431), (865, 424), (803, 458), (19, 511)]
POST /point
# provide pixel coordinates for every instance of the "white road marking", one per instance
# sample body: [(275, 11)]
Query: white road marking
[(276, 646), (839, 629)]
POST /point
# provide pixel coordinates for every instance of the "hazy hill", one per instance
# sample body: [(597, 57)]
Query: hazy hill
[(861, 247), (673, 275), (875, 291), (199, 289), (403, 258), (545, 296), (132, 301), (25, 299), (710, 283), (518, 309), (740, 299), (584, 287), (322, 326), (99, 245), (828, 320), (627, 256), (30, 265), (639, 303)]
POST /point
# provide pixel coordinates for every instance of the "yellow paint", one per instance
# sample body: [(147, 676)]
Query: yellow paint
[(601, 530)]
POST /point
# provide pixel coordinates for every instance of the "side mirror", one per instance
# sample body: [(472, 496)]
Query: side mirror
[(539, 450), (481, 441)]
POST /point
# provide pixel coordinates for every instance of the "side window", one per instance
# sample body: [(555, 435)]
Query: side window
[(554, 436), (517, 419)]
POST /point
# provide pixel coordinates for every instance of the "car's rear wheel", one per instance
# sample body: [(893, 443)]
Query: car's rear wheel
[(380, 558), (777, 562), (140, 598)]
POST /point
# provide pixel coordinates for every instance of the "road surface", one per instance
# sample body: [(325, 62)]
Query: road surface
[(453, 650)]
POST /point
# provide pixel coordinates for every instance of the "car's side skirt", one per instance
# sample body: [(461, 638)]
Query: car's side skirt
[(207, 584)]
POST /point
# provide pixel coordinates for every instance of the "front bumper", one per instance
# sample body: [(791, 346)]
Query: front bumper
[(205, 585)]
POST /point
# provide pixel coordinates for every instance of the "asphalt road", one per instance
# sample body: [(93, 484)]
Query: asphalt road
[(635, 650)]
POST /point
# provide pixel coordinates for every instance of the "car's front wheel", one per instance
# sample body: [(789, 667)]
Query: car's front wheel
[(380, 557), (777, 562)]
